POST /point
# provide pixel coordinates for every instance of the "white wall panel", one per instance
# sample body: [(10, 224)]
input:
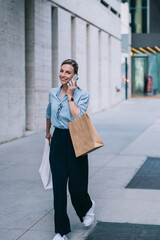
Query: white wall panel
[(12, 70), (93, 68), (104, 101), (115, 71), (79, 49)]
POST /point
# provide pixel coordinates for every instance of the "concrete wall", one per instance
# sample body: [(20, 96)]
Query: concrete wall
[(12, 70), (104, 78), (115, 71), (93, 12), (93, 68), (56, 30), (79, 49), (38, 62)]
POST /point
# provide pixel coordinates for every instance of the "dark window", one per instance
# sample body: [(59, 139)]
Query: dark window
[(104, 3), (133, 3), (138, 9), (113, 10)]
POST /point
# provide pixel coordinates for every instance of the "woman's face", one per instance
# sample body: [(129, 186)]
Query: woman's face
[(66, 73)]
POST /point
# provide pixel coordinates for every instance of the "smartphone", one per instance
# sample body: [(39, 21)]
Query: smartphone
[(75, 78)]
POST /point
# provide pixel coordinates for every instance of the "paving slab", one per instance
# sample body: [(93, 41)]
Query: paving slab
[(147, 143), (111, 178), (127, 161), (10, 234), (132, 211)]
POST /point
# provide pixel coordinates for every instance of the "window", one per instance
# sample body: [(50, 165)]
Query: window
[(138, 9)]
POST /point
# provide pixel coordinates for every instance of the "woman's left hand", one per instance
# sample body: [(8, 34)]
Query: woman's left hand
[(71, 87)]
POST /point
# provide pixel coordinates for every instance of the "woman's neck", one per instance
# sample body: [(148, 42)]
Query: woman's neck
[(64, 88)]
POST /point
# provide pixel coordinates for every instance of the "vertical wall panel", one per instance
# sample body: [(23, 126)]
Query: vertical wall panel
[(38, 62), (12, 70), (54, 33), (93, 68), (104, 101), (64, 37), (115, 70), (30, 63), (79, 49)]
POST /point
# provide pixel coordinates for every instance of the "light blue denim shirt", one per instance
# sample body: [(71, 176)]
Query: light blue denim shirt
[(58, 109)]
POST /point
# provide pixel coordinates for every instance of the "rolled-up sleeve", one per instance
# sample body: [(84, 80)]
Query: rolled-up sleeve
[(83, 104), (48, 110)]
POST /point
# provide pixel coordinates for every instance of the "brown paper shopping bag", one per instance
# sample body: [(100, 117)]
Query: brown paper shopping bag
[(84, 136)]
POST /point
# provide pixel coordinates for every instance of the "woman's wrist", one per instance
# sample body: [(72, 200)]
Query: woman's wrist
[(69, 96)]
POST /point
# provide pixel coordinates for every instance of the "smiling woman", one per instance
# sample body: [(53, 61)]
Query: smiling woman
[(66, 103)]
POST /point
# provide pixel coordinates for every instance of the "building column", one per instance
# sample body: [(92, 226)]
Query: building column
[(93, 67), (104, 101), (38, 62), (12, 70), (79, 49), (115, 70)]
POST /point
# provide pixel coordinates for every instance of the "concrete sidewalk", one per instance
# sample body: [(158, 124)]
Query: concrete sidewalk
[(130, 131)]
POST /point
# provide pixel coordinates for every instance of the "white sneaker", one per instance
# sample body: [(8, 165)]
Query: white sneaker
[(65, 237), (90, 215), (59, 237)]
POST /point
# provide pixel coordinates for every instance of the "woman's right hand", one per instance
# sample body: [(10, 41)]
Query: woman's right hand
[(48, 136)]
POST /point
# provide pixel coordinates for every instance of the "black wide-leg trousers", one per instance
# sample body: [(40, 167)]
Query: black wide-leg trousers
[(65, 167)]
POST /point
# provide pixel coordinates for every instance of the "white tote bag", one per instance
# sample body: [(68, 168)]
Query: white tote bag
[(44, 170)]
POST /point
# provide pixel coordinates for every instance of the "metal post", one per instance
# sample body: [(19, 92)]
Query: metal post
[(126, 78)]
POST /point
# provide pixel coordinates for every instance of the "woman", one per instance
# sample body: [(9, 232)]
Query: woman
[(66, 103)]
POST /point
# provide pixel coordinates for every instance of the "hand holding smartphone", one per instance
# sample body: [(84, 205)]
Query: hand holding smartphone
[(73, 81), (75, 78)]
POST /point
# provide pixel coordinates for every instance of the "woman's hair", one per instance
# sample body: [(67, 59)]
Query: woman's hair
[(73, 63)]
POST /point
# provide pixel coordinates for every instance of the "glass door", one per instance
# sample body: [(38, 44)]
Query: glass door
[(140, 69)]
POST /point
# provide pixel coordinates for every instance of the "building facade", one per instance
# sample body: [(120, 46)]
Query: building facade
[(37, 35), (145, 16)]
